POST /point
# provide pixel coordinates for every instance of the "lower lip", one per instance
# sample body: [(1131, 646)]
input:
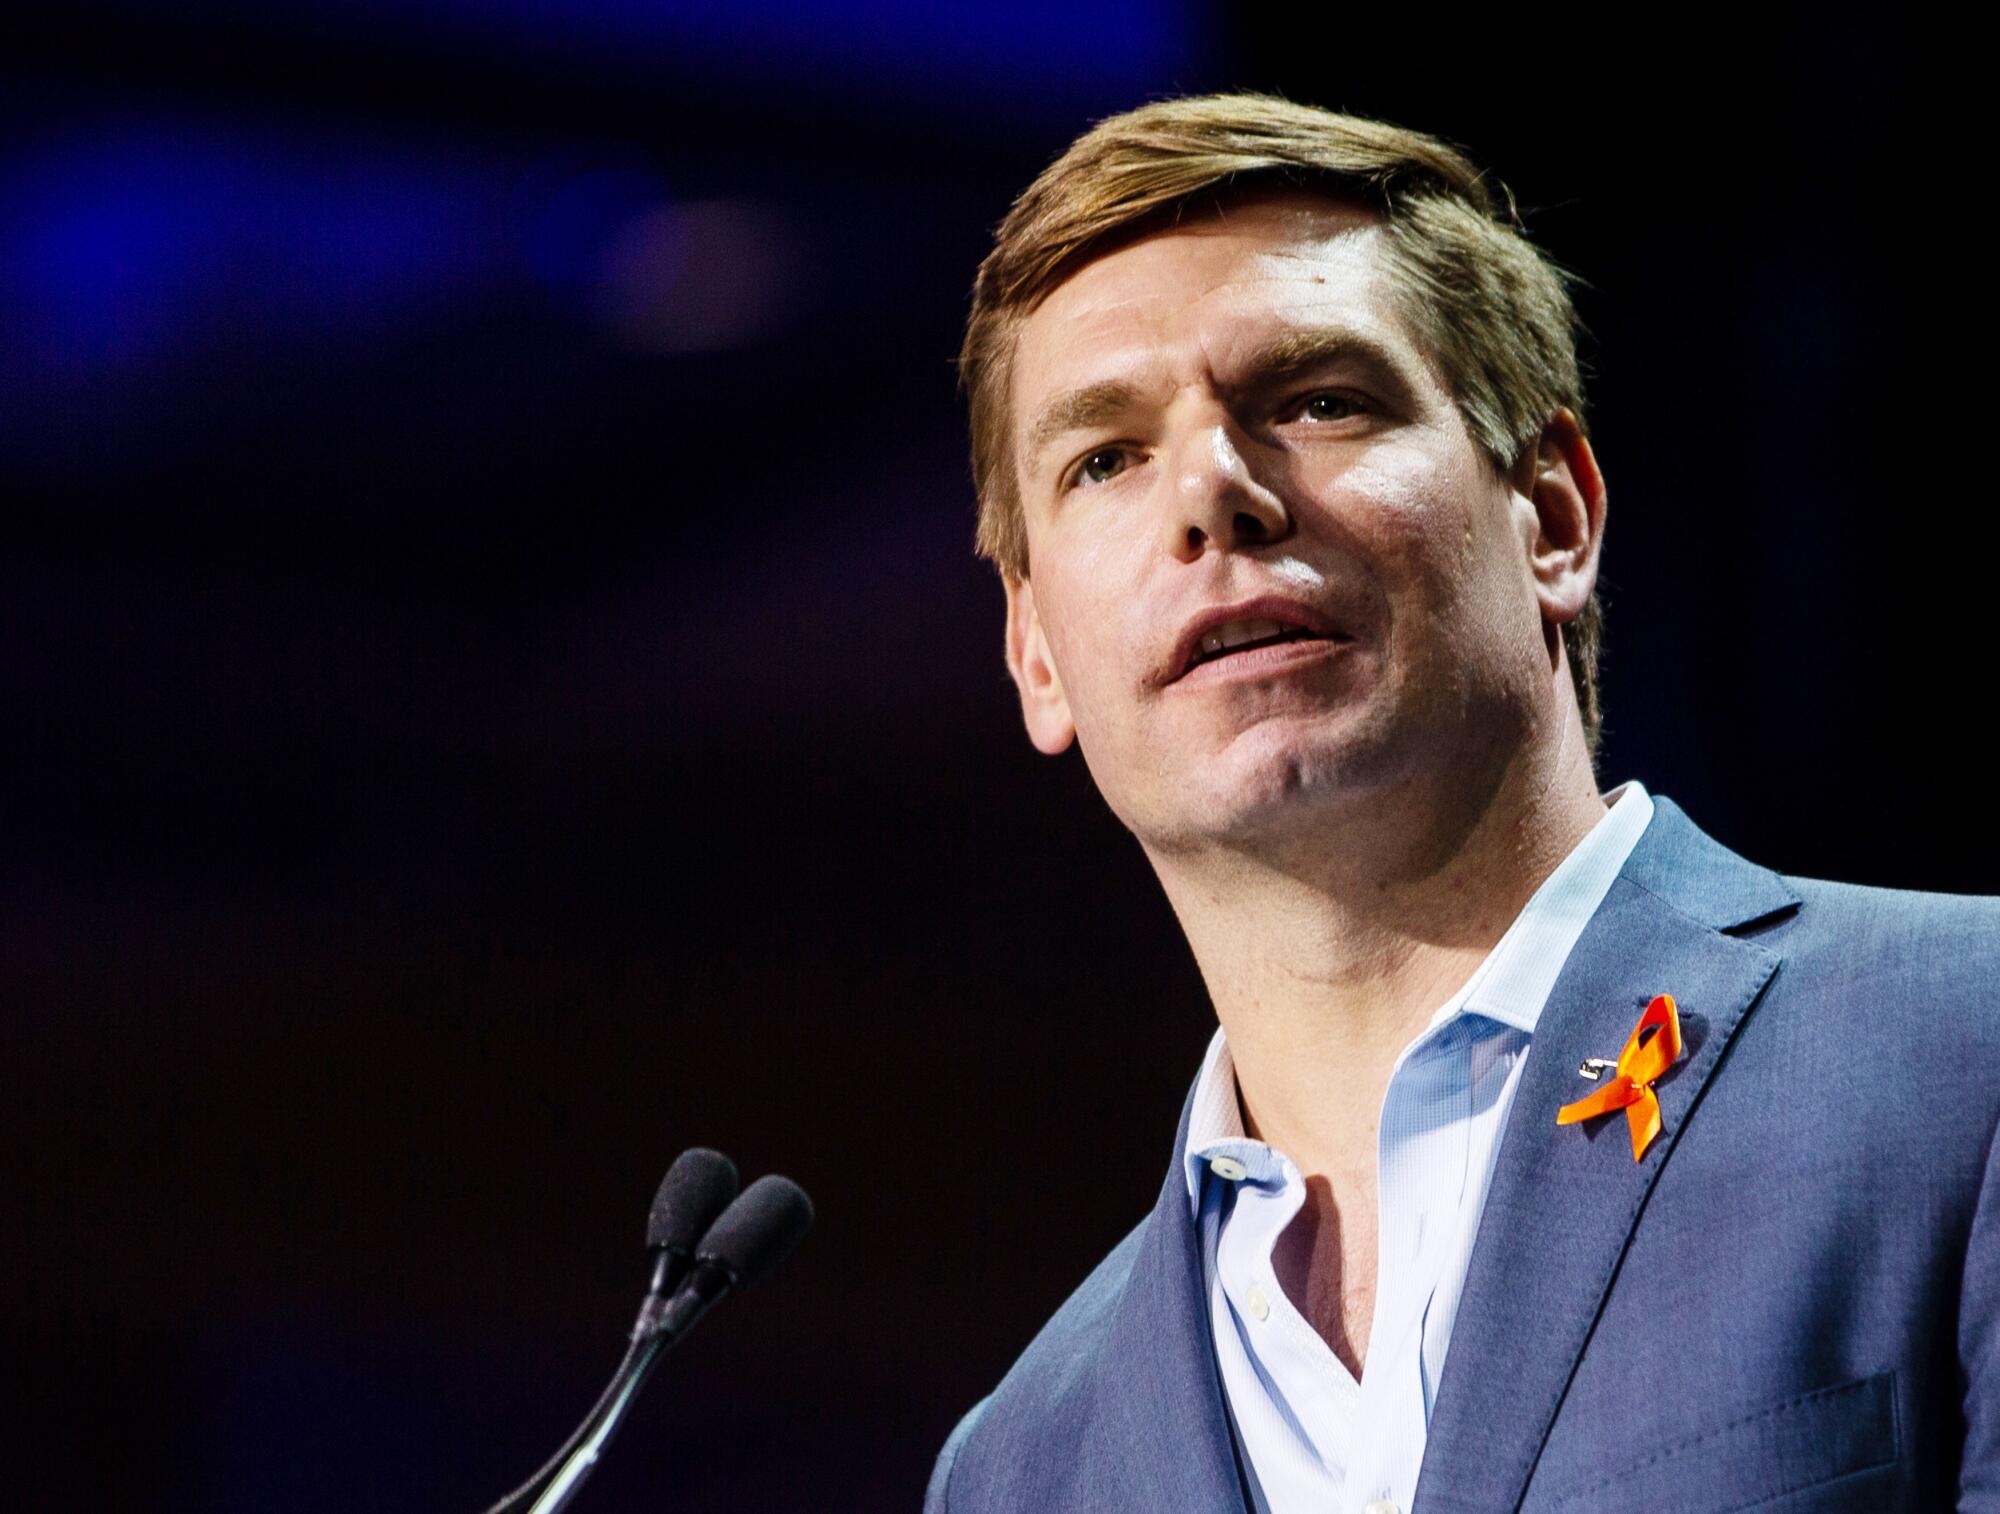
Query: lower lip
[(1263, 662)]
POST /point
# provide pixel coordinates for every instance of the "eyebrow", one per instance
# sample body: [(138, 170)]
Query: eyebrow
[(1286, 358), (1300, 352), (1079, 410)]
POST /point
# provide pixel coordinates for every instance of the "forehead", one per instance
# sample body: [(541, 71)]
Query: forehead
[(1199, 297)]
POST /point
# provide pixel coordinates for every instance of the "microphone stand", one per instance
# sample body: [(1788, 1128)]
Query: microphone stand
[(663, 1320), (548, 1468), (595, 1432)]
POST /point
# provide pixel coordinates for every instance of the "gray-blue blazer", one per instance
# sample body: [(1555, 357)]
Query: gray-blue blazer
[(1791, 1305)]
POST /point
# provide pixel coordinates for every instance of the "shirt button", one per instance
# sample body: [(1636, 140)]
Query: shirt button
[(1259, 1305), (1382, 1506), (1228, 1169)]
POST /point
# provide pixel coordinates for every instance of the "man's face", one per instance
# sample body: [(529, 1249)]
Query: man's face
[(1268, 566)]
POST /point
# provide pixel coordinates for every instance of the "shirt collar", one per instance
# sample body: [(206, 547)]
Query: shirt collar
[(1510, 986), (1513, 983), (1215, 1126)]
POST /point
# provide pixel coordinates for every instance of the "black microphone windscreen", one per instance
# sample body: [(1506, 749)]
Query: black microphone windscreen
[(695, 1190), (759, 1230)]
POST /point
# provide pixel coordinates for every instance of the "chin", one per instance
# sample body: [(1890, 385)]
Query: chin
[(1261, 786)]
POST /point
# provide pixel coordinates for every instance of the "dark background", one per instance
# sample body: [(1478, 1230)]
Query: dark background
[(501, 692)]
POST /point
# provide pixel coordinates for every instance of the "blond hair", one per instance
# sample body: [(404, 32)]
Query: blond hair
[(1492, 309)]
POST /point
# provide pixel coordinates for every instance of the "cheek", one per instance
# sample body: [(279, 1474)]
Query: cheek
[(1435, 530), (1409, 514), (1091, 607)]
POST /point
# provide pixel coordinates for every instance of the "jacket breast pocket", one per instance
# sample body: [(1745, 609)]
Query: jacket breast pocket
[(1781, 1451)]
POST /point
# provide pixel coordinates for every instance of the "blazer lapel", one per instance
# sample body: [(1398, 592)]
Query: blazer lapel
[(1564, 1200), (1161, 1439)]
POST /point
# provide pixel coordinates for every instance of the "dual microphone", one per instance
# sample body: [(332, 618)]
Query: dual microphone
[(707, 1241)]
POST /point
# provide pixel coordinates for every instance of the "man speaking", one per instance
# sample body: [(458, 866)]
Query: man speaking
[(1549, 1156)]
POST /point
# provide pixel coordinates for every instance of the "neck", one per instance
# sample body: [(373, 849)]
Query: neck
[(1325, 959)]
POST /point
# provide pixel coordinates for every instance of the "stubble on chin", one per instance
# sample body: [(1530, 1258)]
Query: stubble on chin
[(1263, 792)]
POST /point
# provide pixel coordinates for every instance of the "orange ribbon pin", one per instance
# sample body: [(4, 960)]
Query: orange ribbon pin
[(1630, 1089)]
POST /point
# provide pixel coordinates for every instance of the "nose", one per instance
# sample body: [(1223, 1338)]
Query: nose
[(1218, 502)]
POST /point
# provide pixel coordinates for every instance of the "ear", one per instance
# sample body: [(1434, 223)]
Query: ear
[(1043, 707), (1558, 477)]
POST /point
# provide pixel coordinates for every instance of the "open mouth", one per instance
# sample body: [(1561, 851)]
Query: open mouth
[(1236, 636)]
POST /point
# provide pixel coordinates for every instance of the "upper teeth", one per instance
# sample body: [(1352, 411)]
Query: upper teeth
[(1235, 633)]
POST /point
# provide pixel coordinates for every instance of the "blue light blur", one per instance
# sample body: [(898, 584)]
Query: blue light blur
[(1030, 58), (160, 236), (148, 257)]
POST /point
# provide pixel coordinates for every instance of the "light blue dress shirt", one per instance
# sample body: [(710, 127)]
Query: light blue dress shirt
[(1314, 1438)]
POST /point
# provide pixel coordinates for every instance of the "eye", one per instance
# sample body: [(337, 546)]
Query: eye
[(1331, 407), (1099, 467)]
